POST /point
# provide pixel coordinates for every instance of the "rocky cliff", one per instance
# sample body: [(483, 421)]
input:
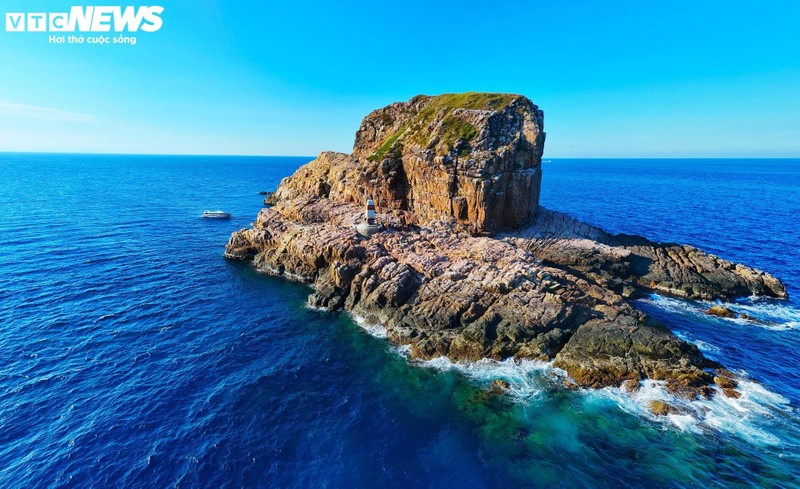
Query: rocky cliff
[(472, 158), (545, 287)]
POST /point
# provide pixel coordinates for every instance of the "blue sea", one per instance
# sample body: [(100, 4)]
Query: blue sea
[(132, 354)]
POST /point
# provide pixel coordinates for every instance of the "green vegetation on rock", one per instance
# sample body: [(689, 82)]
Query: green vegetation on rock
[(389, 148), (453, 127), (471, 100)]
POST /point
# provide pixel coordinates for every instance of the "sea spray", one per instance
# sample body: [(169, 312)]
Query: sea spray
[(527, 379), (375, 329), (772, 314), (750, 417)]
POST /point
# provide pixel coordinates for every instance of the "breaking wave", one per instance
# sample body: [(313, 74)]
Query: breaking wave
[(749, 417), (527, 379), (771, 314), (374, 329)]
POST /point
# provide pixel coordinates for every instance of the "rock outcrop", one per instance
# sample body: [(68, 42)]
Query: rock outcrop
[(632, 265), (445, 172), (721, 311), (472, 158)]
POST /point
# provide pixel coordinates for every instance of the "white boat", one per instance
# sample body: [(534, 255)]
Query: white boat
[(216, 215)]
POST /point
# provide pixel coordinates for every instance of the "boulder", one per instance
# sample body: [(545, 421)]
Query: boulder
[(721, 311), (661, 408), (498, 386)]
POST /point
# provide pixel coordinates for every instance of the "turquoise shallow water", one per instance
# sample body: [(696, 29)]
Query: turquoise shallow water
[(132, 354)]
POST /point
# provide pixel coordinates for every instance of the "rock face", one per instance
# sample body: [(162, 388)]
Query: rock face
[(554, 288), (472, 158), (632, 265)]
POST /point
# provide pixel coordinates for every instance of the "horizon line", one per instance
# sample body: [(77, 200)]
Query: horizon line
[(311, 156)]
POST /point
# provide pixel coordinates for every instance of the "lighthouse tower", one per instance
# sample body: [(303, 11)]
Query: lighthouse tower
[(370, 211), (369, 226)]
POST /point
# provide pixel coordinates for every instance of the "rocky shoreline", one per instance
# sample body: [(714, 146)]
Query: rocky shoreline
[(468, 266)]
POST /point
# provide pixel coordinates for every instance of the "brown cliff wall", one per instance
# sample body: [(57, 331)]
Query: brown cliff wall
[(472, 158)]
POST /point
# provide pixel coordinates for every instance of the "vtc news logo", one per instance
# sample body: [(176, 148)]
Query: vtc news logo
[(87, 19)]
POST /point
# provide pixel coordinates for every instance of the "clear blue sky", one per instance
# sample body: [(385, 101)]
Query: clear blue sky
[(615, 78)]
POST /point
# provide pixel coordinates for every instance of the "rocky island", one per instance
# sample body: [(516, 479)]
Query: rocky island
[(469, 266)]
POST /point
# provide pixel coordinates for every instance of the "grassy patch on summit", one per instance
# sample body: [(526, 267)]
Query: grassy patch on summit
[(453, 128), (471, 100)]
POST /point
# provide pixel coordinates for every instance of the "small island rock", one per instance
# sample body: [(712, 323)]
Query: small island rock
[(469, 265), (721, 311)]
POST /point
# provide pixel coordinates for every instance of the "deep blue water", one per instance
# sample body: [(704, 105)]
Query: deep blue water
[(133, 355)]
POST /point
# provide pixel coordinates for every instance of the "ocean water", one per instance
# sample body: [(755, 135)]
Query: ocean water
[(132, 354)]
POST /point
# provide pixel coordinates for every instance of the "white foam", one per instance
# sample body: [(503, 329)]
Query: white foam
[(770, 313), (375, 329), (703, 346), (751, 417), (783, 315), (670, 304), (706, 347), (638, 402), (316, 308), (524, 377), (527, 379), (265, 269)]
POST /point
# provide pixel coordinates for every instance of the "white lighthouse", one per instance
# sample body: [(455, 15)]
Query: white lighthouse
[(370, 211), (369, 227)]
